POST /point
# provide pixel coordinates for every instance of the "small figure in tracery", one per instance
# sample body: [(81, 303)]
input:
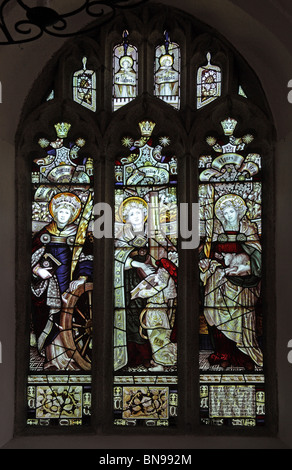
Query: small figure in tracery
[(166, 78), (124, 73), (167, 72), (125, 78)]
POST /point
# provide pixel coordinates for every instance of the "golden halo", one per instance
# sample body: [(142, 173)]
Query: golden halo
[(164, 57), (134, 200), (237, 202), (66, 199), (127, 58)]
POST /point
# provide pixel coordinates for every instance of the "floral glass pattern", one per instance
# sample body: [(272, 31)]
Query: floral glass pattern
[(144, 375)]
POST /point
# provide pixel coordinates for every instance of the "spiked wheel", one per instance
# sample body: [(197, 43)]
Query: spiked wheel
[(76, 323)]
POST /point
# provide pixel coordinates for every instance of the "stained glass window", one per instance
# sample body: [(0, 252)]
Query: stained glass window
[(232, 384), (59, 381), (145, 282), (125, 73), (138, 381), (208, 83), (84, 87), (167, 72)]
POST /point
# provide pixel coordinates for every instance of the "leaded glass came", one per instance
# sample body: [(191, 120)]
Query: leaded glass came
[(231, 360), (170, 340), (84, 87), (145, 282), (208, 83), (61, 283), (125, 73), (167, 72)]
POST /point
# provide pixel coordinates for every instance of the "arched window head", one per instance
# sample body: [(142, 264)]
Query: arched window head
[(125, 76), (143, 321), (167, 72)]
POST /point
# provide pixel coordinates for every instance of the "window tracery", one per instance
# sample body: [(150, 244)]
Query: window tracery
[(125, 73), (84, 87), (61, 283), (230, 265), (208, 83), (148, 171), (167, 72)]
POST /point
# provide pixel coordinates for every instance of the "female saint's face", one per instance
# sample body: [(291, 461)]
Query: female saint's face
[(63, 215), (230, 215), (135, 216)]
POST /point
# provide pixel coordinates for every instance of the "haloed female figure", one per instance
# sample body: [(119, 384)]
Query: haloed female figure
[(231, 278), (131, 266), (54, 273)]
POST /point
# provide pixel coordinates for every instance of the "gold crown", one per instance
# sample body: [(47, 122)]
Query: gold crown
[(146, 128), (229, 126), (62, 129), (68, 200)]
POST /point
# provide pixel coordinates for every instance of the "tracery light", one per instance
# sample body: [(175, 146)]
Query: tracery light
[(146, 387), (167, 72), (125, 76), (31, 22)]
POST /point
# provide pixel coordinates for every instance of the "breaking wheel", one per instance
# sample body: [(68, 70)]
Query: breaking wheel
[(76, 324)]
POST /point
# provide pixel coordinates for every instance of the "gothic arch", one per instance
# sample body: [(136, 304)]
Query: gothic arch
[(103, 131)]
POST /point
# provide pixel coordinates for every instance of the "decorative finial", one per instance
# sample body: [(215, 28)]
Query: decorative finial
[(146, 128), (228, 126), (62, 129)]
